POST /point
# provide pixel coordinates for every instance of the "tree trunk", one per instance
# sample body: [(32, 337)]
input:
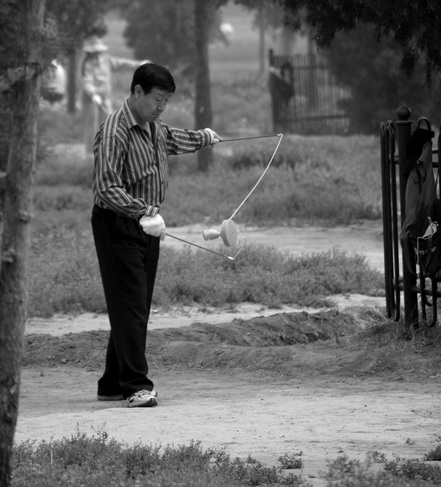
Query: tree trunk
[(262, 49), (203, 112), (72, 82), (312, 73), (17, 216)]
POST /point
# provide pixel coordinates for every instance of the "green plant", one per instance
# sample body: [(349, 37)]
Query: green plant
[(64, 276), (413, 469), (100, 461), (347, 472), (291, 460), (435, 454)]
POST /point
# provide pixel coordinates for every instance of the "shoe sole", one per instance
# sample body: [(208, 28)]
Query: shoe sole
[(118, 397), (149, 403)]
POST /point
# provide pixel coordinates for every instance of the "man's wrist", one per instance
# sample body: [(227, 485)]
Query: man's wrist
[(151, 211)]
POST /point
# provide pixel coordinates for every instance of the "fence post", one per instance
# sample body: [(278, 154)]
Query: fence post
[(404, 131)]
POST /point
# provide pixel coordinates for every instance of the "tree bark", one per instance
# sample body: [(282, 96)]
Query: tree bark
[(262, 49), (17, 217), (203, 111), (72, 75)]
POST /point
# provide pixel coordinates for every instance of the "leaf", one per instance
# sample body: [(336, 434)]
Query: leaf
[(4, 84), (22, 73)]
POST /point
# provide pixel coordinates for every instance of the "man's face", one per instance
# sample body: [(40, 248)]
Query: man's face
[(148, 107)]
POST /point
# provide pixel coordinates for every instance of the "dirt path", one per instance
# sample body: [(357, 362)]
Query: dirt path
[(321, 417), (320, 414)]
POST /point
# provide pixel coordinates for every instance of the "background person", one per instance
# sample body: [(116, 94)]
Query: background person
[(54, 83), (130, 179), (96, 75)]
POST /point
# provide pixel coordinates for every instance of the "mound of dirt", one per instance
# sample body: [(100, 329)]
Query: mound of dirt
[(356, 343), (327, 384)]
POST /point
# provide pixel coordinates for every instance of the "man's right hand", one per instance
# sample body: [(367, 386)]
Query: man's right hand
[(153, 225)]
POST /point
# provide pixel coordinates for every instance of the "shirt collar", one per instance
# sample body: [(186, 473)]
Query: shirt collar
[(129, 115), (131, 119)]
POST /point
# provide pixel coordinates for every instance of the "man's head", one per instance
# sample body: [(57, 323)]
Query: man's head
[(151, 75), (152, 87)]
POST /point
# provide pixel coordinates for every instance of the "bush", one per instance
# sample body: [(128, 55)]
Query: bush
[(331, 180), (103, 462), (64, 276), (357, 58), (346, 472), (435, 454)]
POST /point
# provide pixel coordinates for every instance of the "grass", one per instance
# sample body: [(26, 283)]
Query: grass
[(103, 462), (313, 180), (325, 180), (64, 276), (345, 472), (328, 180)]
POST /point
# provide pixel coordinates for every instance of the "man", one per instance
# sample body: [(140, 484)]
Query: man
[(130, 178)]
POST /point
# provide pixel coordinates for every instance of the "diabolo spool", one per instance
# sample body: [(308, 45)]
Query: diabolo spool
[(228, 233)]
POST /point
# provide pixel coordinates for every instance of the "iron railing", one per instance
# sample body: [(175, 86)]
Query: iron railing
[(305, 96), (419, 294)]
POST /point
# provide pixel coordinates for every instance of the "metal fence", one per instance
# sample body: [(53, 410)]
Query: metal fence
[(305, 96), (404, 287)]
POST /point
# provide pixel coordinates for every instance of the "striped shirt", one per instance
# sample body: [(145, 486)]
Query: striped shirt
[(131, 162)]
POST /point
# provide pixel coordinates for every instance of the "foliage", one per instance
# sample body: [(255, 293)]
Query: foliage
[(413, 25), (67, 24), (413, 469), (64, 276), (347, 472), (272, 12), (356, 59), (334, 180), (164, 31), (327, 179), (234, 104), (103, 462), (76, 20), (435, 454), (291, 460), (150, 25)]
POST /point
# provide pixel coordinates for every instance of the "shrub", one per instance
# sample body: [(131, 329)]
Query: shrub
[(435, 454), (103, 462), (64, 276)]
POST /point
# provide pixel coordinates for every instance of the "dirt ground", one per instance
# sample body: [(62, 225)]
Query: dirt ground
[(253, 381)]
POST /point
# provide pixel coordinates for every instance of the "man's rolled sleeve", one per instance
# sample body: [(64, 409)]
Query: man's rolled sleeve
[(181, 141)]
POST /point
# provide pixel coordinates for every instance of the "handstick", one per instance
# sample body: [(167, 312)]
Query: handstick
[(200, 247), (251, 137)]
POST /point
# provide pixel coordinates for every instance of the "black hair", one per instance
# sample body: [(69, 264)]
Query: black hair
[(151, 75)]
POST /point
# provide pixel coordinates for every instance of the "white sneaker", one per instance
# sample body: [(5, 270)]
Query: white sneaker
[(142, 399)]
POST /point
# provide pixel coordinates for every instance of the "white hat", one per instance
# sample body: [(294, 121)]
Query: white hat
[(94, 44)]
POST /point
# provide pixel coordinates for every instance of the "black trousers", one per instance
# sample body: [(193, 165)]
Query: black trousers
[(128, 260)]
